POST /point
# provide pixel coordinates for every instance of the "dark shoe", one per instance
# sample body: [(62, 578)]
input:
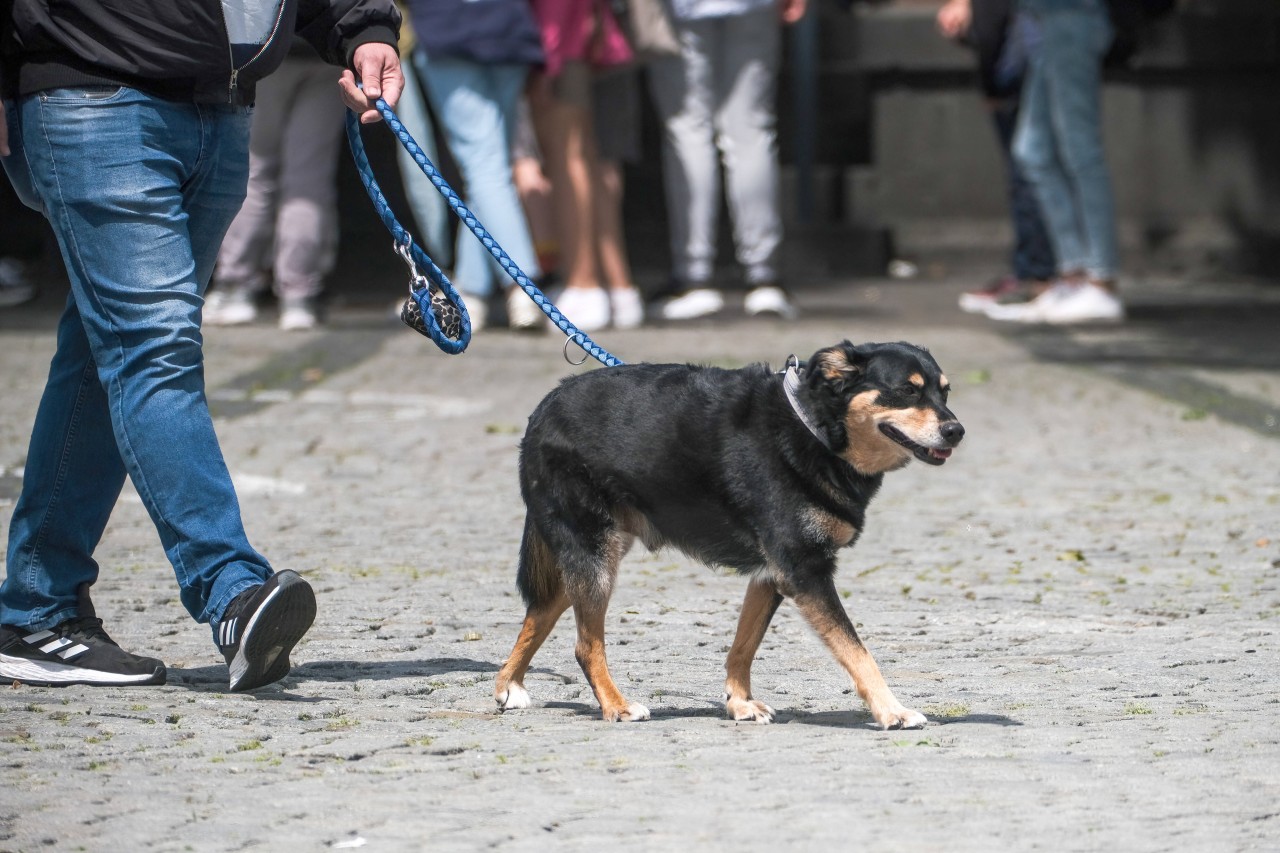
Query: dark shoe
[(261, 626), (1002, 291), (78, 651)]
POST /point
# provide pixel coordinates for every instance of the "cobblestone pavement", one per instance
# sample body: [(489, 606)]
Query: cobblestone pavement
[(1085, 602)]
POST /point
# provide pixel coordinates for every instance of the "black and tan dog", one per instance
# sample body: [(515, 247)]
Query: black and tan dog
[(764, 473)]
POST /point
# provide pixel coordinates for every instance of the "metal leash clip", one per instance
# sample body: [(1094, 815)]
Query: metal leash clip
[(445, 312)]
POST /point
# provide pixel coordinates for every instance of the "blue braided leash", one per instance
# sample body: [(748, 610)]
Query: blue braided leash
[(433, 293)]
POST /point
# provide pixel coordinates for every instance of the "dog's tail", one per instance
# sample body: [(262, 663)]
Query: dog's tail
[(538, 578)]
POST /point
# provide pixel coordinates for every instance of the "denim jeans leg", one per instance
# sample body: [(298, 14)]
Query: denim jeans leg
[(430, 210), (179, 171), (1074, 44), (746, 132), (72, 479), (477, 105), (1035, 149), (682, 90), (1032, 255)]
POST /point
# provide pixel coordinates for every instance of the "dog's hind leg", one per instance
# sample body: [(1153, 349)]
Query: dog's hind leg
[(541, 583), (590, 591), (821, 607), (759, 605), (538, 621), (614, 707)]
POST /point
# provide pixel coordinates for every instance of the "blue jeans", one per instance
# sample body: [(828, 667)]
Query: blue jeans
[(1059, 137), (1032, 256), (139, 192), (430, 211), (477, 107)]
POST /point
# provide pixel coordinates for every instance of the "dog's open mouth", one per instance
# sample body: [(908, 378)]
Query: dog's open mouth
[(928, 455)]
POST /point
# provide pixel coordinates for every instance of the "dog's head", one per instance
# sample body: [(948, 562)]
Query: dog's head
[(881, 405)]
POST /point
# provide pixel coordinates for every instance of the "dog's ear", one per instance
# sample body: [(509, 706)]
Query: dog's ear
[(840, 365)]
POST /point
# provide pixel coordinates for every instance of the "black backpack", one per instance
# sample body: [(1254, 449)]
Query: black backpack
[(1130, 18)]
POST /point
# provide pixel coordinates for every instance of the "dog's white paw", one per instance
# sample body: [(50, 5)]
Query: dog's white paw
[(515, 696), (901, 718), (747, 710), (633, 713)]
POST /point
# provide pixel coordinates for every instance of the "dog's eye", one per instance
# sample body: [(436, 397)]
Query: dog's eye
[(909, 390)]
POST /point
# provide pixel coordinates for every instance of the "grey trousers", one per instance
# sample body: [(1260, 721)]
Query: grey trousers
[(287, 229), (716, 103)]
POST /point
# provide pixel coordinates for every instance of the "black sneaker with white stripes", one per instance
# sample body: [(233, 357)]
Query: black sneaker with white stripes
[(261, 626), (78, 651)]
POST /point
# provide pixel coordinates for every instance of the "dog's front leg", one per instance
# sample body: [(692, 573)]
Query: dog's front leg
[(759, 605), (821, 606)]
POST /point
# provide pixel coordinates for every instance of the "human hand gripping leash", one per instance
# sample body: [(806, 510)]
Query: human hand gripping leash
[(434, 307)]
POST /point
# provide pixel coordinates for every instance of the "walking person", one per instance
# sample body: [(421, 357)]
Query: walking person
[(1058, 144), (716, 104), (286, 233), (131, 134)]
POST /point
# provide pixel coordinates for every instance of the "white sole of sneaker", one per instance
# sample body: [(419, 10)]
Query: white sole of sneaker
[(263, 656), (49, 674)]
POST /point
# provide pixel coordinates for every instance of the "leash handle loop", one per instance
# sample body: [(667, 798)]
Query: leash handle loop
[(433, 272)]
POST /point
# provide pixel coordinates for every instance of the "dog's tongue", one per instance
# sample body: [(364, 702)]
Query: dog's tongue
[(940, 454)]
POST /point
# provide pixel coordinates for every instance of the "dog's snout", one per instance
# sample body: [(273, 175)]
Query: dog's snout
[(952, 432)]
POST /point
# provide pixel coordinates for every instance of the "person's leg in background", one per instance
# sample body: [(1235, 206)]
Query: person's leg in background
[(1075, 54), (306, 243), (430, 210), (477, 105), (682, 90), (616, 96), (746, 134), (244, 263), (22, 249), (562, 115), (1031, 259), (1058, 143)]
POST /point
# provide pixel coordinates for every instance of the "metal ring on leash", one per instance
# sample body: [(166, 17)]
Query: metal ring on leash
[(585, 354), (445, 294)]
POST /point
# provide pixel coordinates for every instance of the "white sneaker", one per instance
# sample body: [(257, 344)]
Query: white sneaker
[(233, 307), (298, 315), (477, 310), (770, 299), (523, 314), (627, 306), (586, 307), (1062, 304), (693, 304)]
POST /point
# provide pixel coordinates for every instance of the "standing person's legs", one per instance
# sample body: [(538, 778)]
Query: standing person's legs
[(307, 212), (477, 105), (682, 89), (1035, 148), (561, 108), (430, 210), (1074, 45), (1032, 255), (126, 386), (244, 259), (746, 134), (616, 96)]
